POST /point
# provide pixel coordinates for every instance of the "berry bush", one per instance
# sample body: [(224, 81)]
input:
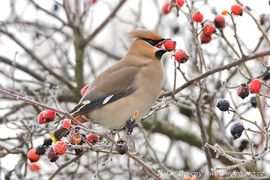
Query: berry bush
[(211, 119)]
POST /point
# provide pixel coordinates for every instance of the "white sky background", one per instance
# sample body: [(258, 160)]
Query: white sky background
[(114, 32)]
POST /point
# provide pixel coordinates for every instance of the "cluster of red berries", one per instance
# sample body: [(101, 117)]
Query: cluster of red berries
[(180, 55), (46, 116), (208, 27), (166, 8), (253, 87), (60, 147), (34, 154)]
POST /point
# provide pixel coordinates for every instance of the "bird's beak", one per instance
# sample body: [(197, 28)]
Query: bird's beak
[(161, 46)]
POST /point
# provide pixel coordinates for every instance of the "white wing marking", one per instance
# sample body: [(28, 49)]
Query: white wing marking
[(107, 99)]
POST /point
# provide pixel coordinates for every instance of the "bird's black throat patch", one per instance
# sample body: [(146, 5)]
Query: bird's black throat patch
[(160, 53)]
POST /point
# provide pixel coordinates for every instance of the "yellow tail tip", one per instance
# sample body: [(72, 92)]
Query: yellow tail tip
[(53, 138)]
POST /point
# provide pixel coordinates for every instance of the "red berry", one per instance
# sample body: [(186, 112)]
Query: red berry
[(41, 118), (180, 3), (60, 148), (84, 89), (92, 138), (34, 167), (243, 91), (32, 155), (219, 22), (255, 86), (169, 45), (237, 9), (66, 123), (181, 56), (166, 8), (209, 29), (197, 17), (49, 115), (92, 1), (205, 38)]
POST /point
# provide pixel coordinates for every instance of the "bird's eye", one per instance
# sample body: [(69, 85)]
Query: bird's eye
[(152, 42)]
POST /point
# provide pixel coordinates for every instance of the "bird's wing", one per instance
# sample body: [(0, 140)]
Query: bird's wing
[(107, 88)]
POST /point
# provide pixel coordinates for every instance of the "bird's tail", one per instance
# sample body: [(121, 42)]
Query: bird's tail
[(59, 133)]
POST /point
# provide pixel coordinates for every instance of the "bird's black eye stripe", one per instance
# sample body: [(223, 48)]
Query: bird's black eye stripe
[(152, 42)]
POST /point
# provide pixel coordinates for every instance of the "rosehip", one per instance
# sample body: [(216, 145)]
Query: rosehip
[(181, 56), (236, 130), (180, 3), (237, 9), (169, 45), (33, 167), (205, 38), (41, 118), (209, 29), (32, 155), (47, 142), (52, 155), (60, 148), (40, 150), (223, 105), (92, 1), (253, 101), (243, 91), (75, 138), (92, 138), (197, 17), (121, 146), (219, 22), (49, 115), (166, 8), (84, 89), (66, 123), (255, 86)]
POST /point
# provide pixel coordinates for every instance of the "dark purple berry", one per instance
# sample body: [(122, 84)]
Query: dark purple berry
[(236, 130), (40, 150), (47, 142), (266, 76), (253, 101), (121, 146), (52, 155), (243, 145), (243, 91), (78, 151), (223, 105)]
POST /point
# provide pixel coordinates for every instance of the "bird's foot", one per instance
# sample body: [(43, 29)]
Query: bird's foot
[(130, 124)]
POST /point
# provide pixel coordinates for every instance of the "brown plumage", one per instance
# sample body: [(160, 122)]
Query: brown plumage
[(131, 85)]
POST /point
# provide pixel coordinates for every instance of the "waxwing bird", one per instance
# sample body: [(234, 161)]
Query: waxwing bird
[(127, 89)]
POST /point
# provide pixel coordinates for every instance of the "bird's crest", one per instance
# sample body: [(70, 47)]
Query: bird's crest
[(144, 34)]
